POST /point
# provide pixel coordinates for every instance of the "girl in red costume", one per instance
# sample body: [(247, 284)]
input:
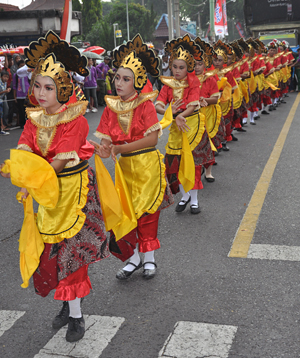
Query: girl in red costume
[(54, 137), (182, 92), (129, 126)]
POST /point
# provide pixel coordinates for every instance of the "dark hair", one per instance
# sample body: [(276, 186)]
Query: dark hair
[(4, 73), (9, 56), (20, 62)]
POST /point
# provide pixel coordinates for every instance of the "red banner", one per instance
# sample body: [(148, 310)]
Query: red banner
[(219, 20), (239, 27), (224, 10)]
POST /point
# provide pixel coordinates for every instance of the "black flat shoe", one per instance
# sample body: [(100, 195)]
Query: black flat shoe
[(124, 275), (253, 123), (76, 329), (225, 148), (181, 208), (257, 117), (234, 138), (195, 209), (241, 130), (210, 180), (264, 112), (63, 317), (149, 273)]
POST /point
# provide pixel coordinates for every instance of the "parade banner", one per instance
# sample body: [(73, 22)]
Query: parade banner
[(239, 28), (65, 33), (219, 20), (224, 10)]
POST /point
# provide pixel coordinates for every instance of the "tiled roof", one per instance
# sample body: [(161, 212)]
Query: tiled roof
[(45, 5), (162, 28), (6, 7)]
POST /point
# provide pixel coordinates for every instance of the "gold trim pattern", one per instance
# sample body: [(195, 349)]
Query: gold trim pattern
[(69, 155), (102, 136), (24, 147), (177, 86), (156, 127)]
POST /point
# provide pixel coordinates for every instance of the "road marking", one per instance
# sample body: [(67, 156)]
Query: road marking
[(245, 232), (274, 252), (8, 318), (195, 340), (99, 331)]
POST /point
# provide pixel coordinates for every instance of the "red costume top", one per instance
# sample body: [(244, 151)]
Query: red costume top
[(244, 68), (268, 67), (186, 90), (128, 121), (59, 136), (208, 86)]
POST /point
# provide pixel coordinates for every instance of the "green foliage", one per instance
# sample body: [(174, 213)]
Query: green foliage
[(76, 5), (91, 13), (102, 35), (106, 7), (141, 20)]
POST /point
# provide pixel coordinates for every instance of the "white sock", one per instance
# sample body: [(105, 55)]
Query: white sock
[(194, 197), (135, 259), (251, 117), (245, 120), (255, 114), (185, 196), (75, 309), (149, 257), (275, 100)]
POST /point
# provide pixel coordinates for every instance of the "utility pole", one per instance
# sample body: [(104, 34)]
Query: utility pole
[(170, 19), (127, 16), (199, 22), (212, 18), (177, 21), (114, 26)]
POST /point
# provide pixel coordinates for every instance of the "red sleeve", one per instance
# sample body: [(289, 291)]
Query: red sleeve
[(103, 125), (28, 136), (230, 79), (150, 117), (165, 95), (192, 93), (73, 137), (213, 86)]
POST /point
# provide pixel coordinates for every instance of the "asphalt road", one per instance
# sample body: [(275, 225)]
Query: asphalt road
[(201, 303)]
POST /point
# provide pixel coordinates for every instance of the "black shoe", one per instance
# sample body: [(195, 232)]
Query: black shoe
[(282, 101), (271, 108), (264, 112), (63, 317), (234, 138), (215, 163), (210, 180), (76, 329), (195, 209), (216, 153), (225, 148), (149, 273), (241, 130), (286, 95), (123, 274), (181, 208), (257, 117), (253, 123)]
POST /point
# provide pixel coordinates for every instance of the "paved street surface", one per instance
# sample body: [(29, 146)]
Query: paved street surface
[(228, 283)]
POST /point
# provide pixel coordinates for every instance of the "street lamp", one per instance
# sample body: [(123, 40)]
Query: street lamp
[(114, 26), (127, 16)]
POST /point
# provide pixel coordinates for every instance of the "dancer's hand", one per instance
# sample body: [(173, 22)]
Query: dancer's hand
[(175, 106), (203, 103), (101, 149), (4, 175), (25, 193), (115, 150), (181, 123)]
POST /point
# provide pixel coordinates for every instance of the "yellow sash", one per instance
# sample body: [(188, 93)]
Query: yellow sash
[(186, 174)]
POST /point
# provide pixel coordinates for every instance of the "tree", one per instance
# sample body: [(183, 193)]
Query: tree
[(76, 5), (102, 34), (141, 20), (91, 13)]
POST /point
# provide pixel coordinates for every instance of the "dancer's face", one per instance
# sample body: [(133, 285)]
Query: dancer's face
[(218, 62), (199, 67), (124, 83), (45, 93), (179, 69)]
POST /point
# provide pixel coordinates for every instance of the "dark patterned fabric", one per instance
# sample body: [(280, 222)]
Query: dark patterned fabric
[(203, 152), (221, 134), (60, 260)]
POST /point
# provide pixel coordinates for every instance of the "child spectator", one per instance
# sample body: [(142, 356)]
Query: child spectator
[(3, 91)]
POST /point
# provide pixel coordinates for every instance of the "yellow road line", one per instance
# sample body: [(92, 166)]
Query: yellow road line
[(247, 227)]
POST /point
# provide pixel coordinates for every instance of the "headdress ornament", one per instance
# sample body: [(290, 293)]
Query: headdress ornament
[(209, 52), (140, 59), (272, 45), (260, 43), (237, 49), (223, 49), (50, 56), (243, 44), (284, 44), (184, 48), (253, 43)]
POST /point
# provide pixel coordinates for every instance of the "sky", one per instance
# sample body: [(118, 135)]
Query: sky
[(20, 3)]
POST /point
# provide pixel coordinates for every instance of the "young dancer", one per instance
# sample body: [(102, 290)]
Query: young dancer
[(129, 126), (71, 229)]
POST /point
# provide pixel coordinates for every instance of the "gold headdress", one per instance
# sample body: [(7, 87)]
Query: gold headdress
[(237, 49), (140, 59), (260, 43), (223, 49), (209, 52), (184, 48), (53, 57)]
